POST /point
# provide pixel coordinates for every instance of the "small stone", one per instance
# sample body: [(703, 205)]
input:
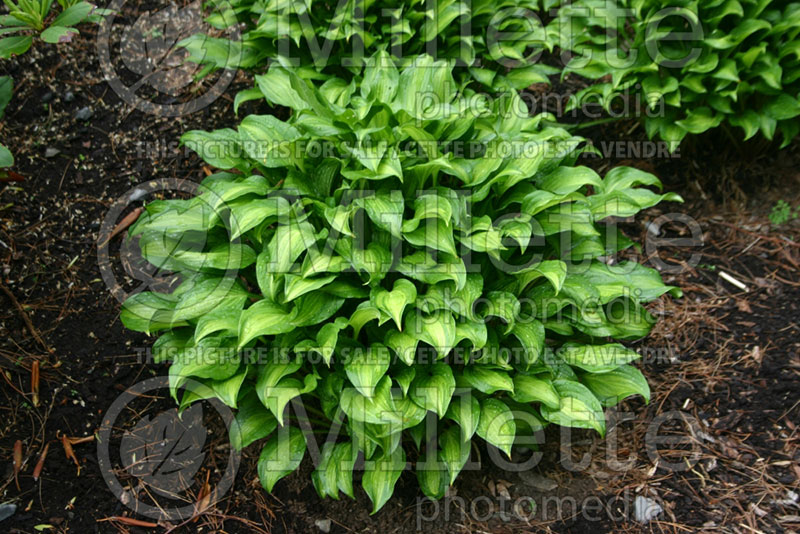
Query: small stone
[(47, 97), (645, 509), (84, 114), (51, 152), (69, 96), (653, 228), (324, 525), (7, 510), (136, 194)]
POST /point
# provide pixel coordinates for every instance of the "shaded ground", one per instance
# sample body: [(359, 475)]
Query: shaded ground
[(723, 362)]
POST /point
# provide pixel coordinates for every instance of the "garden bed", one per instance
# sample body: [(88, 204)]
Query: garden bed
[(726, 358)]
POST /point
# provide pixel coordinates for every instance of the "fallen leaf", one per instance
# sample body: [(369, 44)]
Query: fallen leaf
[(40, 464), (126, 221), (35, 382), (129, 521), (17, 460), (69, 452)]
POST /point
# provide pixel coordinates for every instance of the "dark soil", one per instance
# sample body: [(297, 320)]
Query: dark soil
[(723, 363)]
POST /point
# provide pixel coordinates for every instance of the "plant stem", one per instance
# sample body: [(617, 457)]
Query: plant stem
[(597, 122)]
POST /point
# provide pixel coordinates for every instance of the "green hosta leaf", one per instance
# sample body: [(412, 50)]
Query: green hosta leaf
[(228, 187), (539, 200), (316, 307), (699, 120), (375, 259), (378, 409), (385, 210), (335, 470), (280, 456), (394, 302), (253, 422), (612, 387), (421, 266), (531, 337), (497, 425), (290, 240), (432, 476), (578, 407), (627, 279), (783, 107), (246, 95), (404, 378), (454, 452), (322, 263), (466, 411), (199, 296), (380, 476), (328, 336), (597, 358), (324, 477), (616, 204), (275, 388), (411, 413), (276, 398), (488, 380), (296, 286), (365, 368), (222, 319), (474, 331), (277, 88), (490, 241), (264, 318), (218, 148), (437, 329), (250, 213), (433, 234), (345, 457), (565, 180), (466, 296), (531, 389), (404, 345), (433, 388), (268, 140), (222, 257), (431, 206), (380, 78), (365, 313), (339, 218), (148, 312), (504, 305), (210, 358)]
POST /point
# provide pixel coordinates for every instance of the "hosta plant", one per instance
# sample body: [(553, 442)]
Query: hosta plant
[(335, 37), (699, 63), (394, 272)]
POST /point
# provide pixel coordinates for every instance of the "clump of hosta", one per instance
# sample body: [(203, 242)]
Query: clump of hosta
[(326, 38), (395, 263), (697, 63)]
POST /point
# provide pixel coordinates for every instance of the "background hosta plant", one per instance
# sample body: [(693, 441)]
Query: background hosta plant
[(335, 37), (398, 257), (699, 63)]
